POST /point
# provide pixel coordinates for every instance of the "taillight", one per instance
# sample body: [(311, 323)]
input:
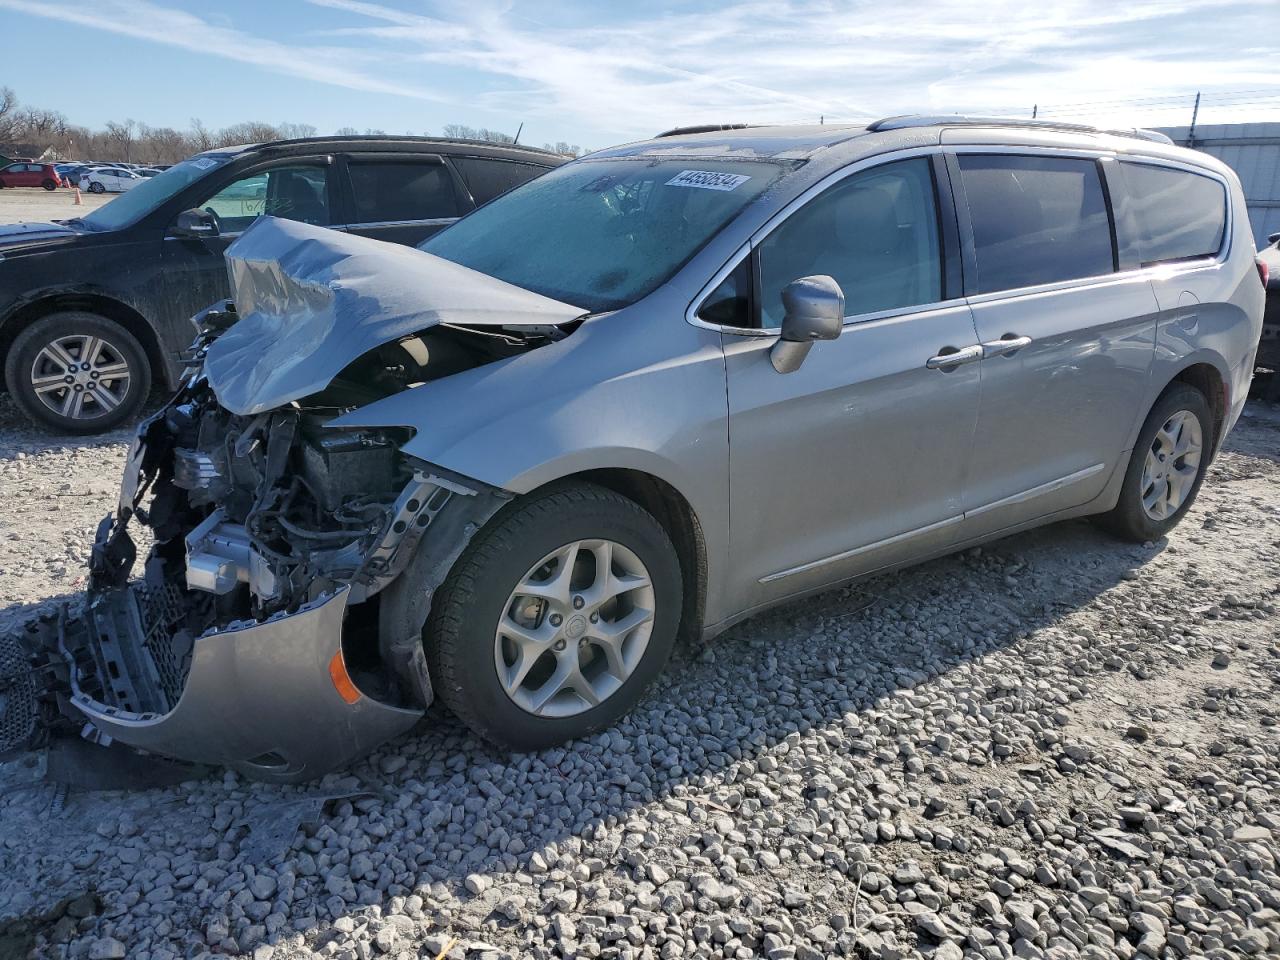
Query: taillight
[(1263, 271)]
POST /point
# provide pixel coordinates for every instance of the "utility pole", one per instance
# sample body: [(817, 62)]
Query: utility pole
[(1191, 131)]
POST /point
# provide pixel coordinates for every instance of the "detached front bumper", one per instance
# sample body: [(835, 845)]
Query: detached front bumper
[(272, 699)]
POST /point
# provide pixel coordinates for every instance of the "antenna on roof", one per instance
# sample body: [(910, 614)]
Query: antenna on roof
[(518, 129)]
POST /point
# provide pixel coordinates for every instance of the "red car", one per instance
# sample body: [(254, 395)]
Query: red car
[(30, 175)]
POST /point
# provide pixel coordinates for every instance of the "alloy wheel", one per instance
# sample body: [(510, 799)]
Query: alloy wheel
[(80, 377), (1172, 464), (575, 628)]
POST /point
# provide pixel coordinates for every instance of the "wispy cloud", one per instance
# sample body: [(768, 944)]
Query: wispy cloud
[(763, 60), (610, 72), (144, 20)]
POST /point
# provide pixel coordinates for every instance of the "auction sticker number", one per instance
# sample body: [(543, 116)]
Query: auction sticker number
[(707, 180)]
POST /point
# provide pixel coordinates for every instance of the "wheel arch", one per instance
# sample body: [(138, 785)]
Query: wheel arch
[(677, 517), (92, 302), (1206, 378)]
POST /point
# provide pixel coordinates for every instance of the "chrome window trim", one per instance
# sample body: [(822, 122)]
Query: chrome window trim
[(1228, 227), (1150, 271), (775, 221), (429, 222)]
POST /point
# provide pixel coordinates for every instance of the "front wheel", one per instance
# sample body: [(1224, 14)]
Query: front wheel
[(1166, 468), (77, 372), (556, 619)]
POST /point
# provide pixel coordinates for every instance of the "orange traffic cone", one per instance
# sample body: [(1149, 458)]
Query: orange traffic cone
[(78, 201)]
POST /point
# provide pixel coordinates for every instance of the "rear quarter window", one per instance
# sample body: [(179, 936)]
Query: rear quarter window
[(1036, 219), (1180, 215), (487, 178)]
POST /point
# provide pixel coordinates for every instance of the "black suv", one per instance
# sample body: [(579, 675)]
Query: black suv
[(93, 309)]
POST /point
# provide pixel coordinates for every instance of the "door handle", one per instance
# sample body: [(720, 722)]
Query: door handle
[(1004, 346), (949, 360)]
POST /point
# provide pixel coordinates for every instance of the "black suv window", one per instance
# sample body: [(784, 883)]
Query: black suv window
[(488, 178), (392, 191), (297, 192), (1036, 220), (1181, 215)]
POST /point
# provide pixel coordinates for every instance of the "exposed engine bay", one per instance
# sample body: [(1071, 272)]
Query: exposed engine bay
[(275, 624)]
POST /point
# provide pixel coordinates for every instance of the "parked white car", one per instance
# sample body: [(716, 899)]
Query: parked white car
[(109, 180)]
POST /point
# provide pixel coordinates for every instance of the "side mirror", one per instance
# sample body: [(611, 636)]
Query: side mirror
[(813, 309), (195, 223), (1274, 238)]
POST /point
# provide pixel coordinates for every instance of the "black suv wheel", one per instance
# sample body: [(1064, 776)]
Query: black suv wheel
[(77, 372)]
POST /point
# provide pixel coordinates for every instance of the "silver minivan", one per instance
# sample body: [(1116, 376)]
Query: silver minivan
[(642, 397)]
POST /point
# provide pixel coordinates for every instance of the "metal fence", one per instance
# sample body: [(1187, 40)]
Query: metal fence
[(1252, 150)]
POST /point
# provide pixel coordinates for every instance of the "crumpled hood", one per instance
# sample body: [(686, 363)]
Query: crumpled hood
[(312, 300)]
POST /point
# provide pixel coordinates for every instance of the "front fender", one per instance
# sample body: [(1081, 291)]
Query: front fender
[(632, 390), (612, 395)]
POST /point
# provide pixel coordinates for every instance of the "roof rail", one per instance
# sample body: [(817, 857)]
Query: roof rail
[(703, 128), (956, 120)]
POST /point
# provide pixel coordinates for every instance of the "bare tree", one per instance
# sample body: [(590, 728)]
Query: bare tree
[(295, 131), (201, 138), (564, 149), (8, 111), (130, 141), (120, 137), (346, 132)]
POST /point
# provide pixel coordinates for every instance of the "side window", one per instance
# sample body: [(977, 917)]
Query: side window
[(875, 233), (729, 305), (401, 190), (487, 178), (297, 192), (1180, 215), (15, 168), (1036, 220)]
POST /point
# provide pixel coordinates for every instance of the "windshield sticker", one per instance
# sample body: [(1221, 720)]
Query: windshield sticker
[(204, 163), (707, 180)]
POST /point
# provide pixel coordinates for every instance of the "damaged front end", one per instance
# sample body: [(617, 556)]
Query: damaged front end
[(262, 633), (275, 625)]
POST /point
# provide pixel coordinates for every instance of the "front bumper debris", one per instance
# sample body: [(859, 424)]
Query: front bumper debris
[(275, 625), (258, 697)]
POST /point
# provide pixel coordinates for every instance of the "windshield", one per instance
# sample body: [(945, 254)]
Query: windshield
[(604, 233), (149, 193)]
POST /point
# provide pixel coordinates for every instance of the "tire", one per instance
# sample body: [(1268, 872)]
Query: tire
[(464, 648), (1130, 519), (50, 185), (39, 351), (96, 187)]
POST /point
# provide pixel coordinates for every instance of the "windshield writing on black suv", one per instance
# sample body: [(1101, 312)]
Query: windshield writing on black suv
[(601, 234)]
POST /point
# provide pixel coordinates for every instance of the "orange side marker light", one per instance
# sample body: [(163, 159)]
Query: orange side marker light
[(341, 679)]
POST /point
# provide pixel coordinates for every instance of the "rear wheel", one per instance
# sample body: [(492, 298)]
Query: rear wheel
[(96, 187), (78, 372), (50, 185), (1166, 467), (556, 619)]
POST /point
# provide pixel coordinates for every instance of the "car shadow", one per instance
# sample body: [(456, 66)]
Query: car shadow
[(19, 435), (825, 663)]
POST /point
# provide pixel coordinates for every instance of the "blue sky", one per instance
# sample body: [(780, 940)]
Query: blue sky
[(598, 73)]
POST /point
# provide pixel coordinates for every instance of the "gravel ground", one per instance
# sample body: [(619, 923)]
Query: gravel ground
[(1055, 746), (22, 204)]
